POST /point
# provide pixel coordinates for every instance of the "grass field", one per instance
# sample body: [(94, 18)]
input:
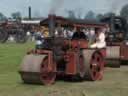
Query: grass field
[(114, 83)]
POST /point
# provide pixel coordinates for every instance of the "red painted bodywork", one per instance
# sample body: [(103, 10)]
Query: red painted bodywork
[(103, 52), (123, 49), (71, 66), (51, 63), (79, 43), (72, 55), (124, 52)]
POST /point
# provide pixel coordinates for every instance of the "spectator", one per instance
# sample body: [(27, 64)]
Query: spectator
[(100, 39), (39, 39), (68, 33), (28, 35), (79, 35)]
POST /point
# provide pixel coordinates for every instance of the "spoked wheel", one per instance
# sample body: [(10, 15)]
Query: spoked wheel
[(34, 70), (96, 66), (47, 77)]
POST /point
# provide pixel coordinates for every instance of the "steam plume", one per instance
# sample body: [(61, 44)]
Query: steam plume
[(56, 5), (115, 5)]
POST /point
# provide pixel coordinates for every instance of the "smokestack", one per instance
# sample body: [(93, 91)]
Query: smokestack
[(51, 24), (29, 12), (112, 23)]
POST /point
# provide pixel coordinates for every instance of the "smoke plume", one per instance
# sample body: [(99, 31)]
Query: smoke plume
[(55, 6), (116, 5)]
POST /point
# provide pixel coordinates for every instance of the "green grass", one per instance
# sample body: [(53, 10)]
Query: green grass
[(115, 82)]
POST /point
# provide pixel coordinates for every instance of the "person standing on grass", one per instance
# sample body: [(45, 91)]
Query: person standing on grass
[(28, 35)]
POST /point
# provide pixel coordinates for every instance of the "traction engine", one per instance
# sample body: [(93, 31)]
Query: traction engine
[(12, 29), (117, 44), (62, 57)]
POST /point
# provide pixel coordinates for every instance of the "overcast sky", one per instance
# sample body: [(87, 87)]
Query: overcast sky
[(43, 7)]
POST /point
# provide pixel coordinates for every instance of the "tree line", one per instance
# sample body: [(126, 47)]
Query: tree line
[(72, 14), (93, 16), (15, 15)]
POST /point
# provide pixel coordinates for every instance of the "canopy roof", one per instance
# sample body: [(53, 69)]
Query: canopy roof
[(74, 22)]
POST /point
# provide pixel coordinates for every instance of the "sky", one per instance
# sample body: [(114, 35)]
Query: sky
[(43, 7)]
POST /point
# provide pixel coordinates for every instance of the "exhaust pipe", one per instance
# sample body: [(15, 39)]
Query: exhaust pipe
[(112, 29), (29, 13), (51, 24)]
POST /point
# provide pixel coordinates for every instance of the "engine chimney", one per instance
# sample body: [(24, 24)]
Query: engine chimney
[(51, 23), (112, 23), (29, 12)]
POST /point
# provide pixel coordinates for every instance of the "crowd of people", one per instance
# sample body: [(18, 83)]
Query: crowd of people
[(95, 37)]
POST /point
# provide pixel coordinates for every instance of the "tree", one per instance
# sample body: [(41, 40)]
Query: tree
[(124, 11), (90, 15), (2, 17), (16, 15), (71, 14), (79, 13), (99, 16)]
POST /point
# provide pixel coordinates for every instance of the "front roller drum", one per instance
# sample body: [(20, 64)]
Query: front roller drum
[(113, 57), (94, 64), (34, 70)]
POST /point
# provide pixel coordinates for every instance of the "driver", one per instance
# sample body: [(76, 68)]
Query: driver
[(79, 34)]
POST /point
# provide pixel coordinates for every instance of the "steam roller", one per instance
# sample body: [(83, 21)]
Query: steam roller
[(62, 57), (113, 56), (41, 69)]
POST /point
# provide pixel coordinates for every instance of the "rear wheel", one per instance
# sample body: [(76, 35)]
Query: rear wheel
[(94, 65)]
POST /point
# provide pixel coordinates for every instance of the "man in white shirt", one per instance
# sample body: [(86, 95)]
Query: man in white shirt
[(28, 35), (100, 40)]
